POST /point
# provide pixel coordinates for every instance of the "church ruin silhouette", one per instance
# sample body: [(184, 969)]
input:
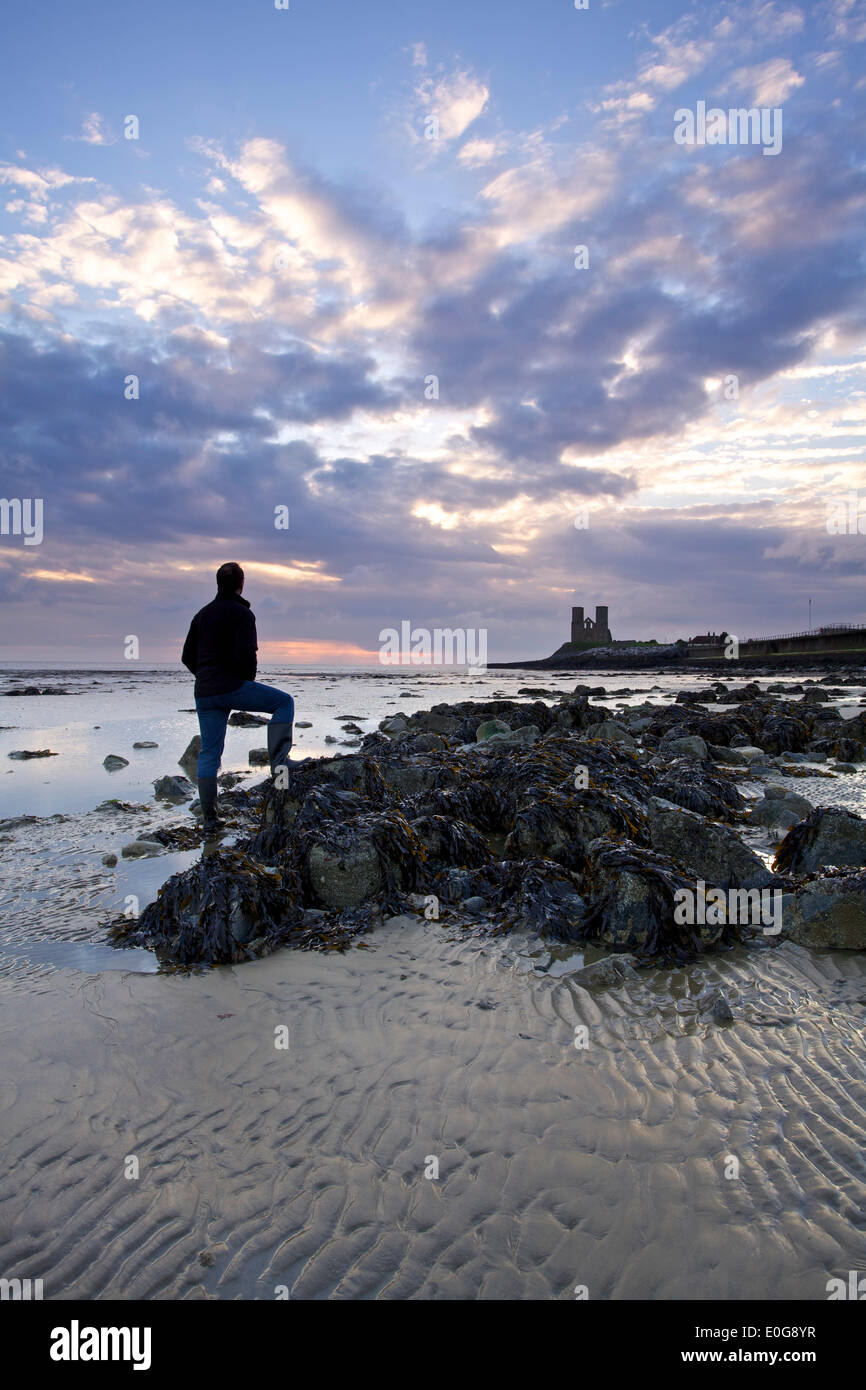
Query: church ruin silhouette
[(586, 632)]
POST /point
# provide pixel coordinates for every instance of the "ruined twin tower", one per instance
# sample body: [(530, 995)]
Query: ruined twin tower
[(584, 631)]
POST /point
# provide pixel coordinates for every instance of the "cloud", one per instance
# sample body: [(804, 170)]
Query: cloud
[(283, 326), (453, 102), (93, 131), (769, 83)]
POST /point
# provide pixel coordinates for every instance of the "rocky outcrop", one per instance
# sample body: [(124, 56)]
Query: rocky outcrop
[(552, 818)]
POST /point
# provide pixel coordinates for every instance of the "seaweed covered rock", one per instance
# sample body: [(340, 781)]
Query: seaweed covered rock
[(548, 902), (701, 788), (563, 823), (829, 836), (633, 904), (225, 909), (709, 851), (781, 733), (829, 911), (609, 731)]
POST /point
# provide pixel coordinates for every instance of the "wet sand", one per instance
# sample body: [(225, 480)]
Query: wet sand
[(263, 1169)]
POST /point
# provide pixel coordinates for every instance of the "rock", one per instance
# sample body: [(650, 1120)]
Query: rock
[(349, 729), (475, 905), (845, 767), (690, 746), (490, 727), (721, 1010), (142, 849), (527, 733), (224, 909), (394, 725), (830, 835), (613, 970), (228, 779), (815, 696), (439, 721), (608, 731), (639, 726), (751, 754), (633, 903), (113, 761), (780, 811), (329, 738), (732, 756), (22, 754), (709, 851), (173, 789), (259, 757), (145, 743), (242, 719), (109, 860), (828, 912), (344, 877), (301, 724), (189, 757)]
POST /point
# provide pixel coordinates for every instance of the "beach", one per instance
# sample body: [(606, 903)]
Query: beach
[(282, 1113)]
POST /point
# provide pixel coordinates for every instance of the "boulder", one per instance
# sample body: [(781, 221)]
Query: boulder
[(225, 908), (22, 755), (174, 789), (394, 725), (609, 731), (732, 756), (258, 757), (633, 903), (189, 757), (689, 746), (830, 835), (142, 849), (114, 761), (145, 743), (709, 851), (345, 876), (242, 719), (828, 912), (782, 811), (815, 696), (490, 727), (527, 733), (613, 970)]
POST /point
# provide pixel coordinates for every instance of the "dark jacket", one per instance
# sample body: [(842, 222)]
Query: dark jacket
[(221, 645)]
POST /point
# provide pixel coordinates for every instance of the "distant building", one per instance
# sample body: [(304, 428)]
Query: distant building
[(584, 630), (710, 639)]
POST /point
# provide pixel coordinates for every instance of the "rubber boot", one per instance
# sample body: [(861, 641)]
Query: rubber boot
[(207, 792), (279, 745)]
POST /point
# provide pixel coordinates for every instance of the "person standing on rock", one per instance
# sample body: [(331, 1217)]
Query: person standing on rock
[(220, 650)]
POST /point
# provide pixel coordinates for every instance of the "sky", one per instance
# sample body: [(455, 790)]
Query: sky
[(303, 288)]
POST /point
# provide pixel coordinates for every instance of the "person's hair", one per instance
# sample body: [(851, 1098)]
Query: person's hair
[(230, 576)]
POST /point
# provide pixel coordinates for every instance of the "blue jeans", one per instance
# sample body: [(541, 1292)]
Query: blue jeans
[(214, 710)]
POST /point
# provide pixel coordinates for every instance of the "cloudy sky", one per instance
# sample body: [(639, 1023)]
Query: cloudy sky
[(324, 259)]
